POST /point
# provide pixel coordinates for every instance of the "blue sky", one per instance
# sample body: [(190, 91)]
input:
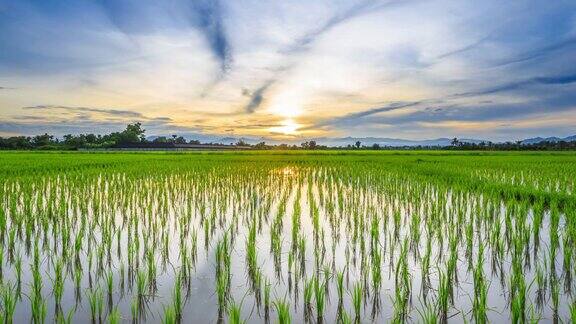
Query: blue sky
[(290, 69)]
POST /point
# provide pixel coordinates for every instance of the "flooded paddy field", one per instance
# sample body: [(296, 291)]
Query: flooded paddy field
[(280, 237)]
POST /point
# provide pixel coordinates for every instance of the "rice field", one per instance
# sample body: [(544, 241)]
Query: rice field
[(287, 237)]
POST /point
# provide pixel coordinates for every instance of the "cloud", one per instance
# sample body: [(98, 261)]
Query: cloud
[(304, 42), (518, 85), (66, 119), (111, 112), (257, 97), (357, 117), (542, 52), (210, 21), (362, 7)]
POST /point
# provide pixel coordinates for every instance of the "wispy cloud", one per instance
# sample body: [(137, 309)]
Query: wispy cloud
[(517, 85), (209, 19), (340, 17), (542, 52), (357, 117), (257, 97), (112, 112), (305, 41)]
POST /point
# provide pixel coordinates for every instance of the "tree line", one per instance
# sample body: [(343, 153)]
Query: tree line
[(134, 134)]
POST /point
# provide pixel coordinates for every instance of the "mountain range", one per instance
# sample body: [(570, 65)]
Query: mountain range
[(554, 139), (367, 141)]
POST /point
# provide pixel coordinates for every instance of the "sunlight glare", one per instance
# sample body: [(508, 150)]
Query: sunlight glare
[(289, 127)]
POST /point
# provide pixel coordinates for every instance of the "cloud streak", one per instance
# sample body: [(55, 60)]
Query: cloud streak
[(210, 20), (111, 112), (257, 97), (303, 43), (519, 85)]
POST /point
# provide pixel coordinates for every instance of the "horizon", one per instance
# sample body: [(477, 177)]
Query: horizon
[(413, 70)]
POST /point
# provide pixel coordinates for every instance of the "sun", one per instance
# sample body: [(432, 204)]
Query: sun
[(289, 127)]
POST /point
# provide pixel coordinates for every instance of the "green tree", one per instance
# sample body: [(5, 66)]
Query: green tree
[(43, 140), (134, 133)]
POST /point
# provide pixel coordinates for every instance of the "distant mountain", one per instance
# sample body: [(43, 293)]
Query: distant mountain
[(385, 141), (553, 139), (345, 141)]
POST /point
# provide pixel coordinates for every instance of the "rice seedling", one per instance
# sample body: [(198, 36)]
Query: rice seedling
[(573, 312), (9, 300), (308, 294), (169, 316), (357, 293), (95, 299), (38, 308), (555, 295), (340, 286), (283, 311), (320, 297), (478, 225), (114, 317), (135, 309), (428, 315), (235, 314), (66, 319)]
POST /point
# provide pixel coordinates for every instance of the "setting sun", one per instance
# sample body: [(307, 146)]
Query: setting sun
[(289, 127)]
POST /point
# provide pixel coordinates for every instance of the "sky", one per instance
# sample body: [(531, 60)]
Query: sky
[(291, 69)]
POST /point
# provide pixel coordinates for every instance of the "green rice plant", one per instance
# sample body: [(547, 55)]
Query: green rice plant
[(400, 304), (443, 297), (283, 311), (480, 301), (319, 296), (9, 301), (95, 299), (534, 318), (308, 294), (222, 290), (573, 312), (169, 316), (115, 317), (345, 318), (541, 285), (235, 314), (135, 309), (267, 286), (518, 303), (18, 268), (68, 319), (38, 308), (428, 315), (251, 252), (141, 284), (110, 283), (555, 294), (357, 293), (177, 301), (340, 286)]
